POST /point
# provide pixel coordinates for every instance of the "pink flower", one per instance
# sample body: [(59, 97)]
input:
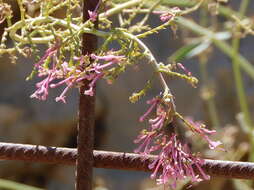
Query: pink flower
[(201, 129), (158, 122), (154, 102), (49, 52), (42, 92), (94, 79), (71, 75), (42, 87), (147, 138), (92, 15), (184, 69), (162, 114), (167, 16), (175, 162), (108, 57), (56, 74), (97, 69)]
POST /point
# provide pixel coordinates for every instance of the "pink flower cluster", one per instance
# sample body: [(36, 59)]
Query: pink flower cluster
[(97, 69), (57, 73), (156, 126), (175, 161), (167, 16)]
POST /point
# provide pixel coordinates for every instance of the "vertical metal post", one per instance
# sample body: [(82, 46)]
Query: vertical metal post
[(86, 116)]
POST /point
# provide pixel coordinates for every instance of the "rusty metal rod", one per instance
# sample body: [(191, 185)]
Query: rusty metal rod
[(86, 115), (115, 160)]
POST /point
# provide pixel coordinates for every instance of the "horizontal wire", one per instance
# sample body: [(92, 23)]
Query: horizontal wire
[(115, 160)]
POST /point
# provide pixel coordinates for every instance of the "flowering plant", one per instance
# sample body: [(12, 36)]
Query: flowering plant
[(64, 65)]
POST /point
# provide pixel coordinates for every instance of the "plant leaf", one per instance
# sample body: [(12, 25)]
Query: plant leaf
[(189, 51), (181, 53), (199, 49)]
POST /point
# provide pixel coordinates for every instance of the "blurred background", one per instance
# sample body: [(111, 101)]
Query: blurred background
[(214, 101)]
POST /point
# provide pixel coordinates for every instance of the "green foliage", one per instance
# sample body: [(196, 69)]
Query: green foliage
[(11, 185)]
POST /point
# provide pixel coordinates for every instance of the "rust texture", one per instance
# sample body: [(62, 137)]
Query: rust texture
[(115, 160), (86, 115), (37, 153)]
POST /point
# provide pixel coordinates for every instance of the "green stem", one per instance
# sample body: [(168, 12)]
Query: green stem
[(243, 7), (21, 9), (242, 61), (13, 29), (239, 83), (41, 40), (155, 64), (128, 4), (144, 20), (204, 76), (223, 46), (150, 56), (119, 8), (179, 3), (238, 76), (210, 100)]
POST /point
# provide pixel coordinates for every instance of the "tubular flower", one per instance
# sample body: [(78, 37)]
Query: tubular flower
[(201, 129), (154, 102), (94, 79), (50, 52), (176, 163), (42, 87), (69, 75), (61, 73), (184, 69), (175, 160), (163, 109), (149, 138), (97, 69)]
